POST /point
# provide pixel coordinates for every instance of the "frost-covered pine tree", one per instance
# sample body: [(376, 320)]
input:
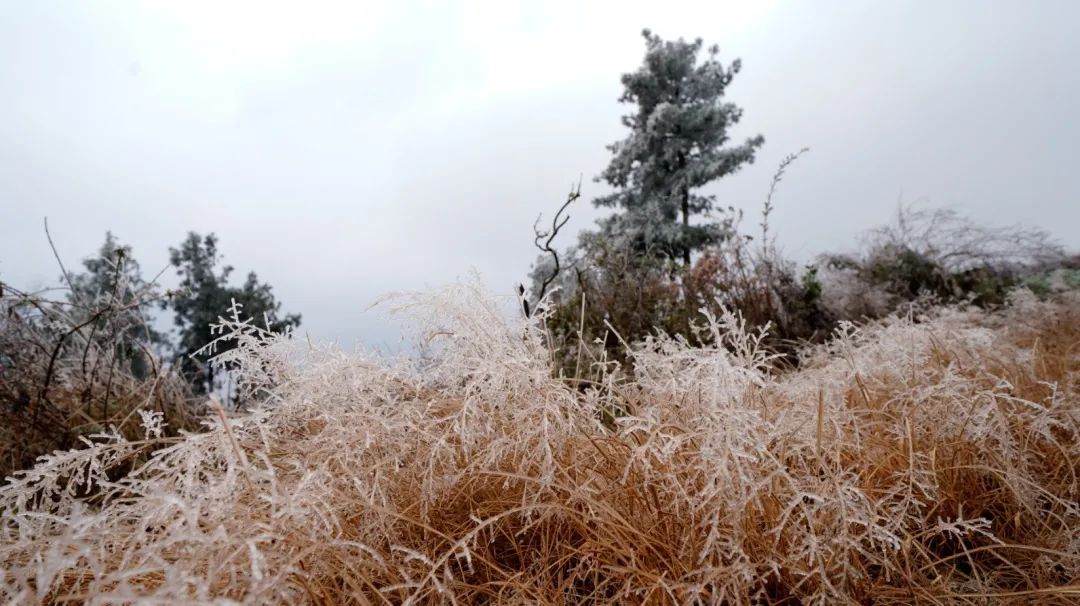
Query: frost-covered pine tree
[(676, 145), (113, 291)]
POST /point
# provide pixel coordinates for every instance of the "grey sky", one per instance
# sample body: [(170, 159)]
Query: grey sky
[(343, 151)]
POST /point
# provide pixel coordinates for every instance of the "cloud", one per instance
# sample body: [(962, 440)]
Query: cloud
[(342, 150)]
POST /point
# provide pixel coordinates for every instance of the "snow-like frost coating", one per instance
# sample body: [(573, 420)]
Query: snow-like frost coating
[(698, 476)]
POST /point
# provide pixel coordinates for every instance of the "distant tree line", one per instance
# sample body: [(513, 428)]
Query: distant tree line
[(118, 301), (91, 361)]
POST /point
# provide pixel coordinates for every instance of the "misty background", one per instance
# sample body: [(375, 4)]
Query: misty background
[(343, 151)]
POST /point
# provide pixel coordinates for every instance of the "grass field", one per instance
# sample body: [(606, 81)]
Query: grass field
[(929, 458)]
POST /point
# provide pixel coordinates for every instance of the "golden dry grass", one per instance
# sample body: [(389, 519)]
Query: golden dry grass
[(931, 459)]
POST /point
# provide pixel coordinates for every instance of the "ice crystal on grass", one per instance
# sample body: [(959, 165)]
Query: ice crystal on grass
[(925, 457)]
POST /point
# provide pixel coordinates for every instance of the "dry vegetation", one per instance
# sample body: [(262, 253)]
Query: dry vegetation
[(72, 369), (923, 458)]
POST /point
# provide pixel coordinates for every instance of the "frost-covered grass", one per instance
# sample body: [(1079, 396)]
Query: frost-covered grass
[(933, 459)]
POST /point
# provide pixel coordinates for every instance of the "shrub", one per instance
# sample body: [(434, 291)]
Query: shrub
[(69, 370), (612, 296), (934, 253)]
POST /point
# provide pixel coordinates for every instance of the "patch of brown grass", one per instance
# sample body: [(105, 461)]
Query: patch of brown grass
[(914, 460)]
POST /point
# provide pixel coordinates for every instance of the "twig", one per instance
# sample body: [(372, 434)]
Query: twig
[(236, 446), (557, 223), (777, 177), (581, 337), (44, 393), (67, 278), (766, 253), (820, 422)]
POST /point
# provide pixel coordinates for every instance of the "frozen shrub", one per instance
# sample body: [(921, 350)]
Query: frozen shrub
[(617, 296), (934, 253), (82, 366), (848, 296)]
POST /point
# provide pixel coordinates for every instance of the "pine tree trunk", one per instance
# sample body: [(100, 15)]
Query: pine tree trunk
[(686, 225)]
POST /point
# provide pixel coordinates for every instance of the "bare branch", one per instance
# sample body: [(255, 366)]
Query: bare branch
[(544, 239), (67, 278)]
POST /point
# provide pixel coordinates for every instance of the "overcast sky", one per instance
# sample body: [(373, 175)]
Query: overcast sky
[(346, 150)]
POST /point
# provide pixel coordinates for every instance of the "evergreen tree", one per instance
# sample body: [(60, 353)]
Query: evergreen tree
[(676, 145), (113, 290), (205, 295)]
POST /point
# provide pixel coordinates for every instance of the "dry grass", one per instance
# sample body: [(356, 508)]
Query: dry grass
[(66, 372), (930, 460)]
